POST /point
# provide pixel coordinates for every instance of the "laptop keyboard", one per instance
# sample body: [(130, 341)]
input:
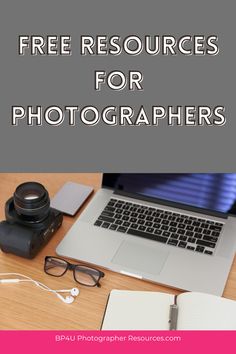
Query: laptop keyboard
[(174, 229)]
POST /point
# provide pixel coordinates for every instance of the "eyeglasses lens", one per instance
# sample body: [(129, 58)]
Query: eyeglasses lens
[(87, 276), (54, 266)]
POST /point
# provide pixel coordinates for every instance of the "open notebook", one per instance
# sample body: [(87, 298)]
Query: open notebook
[(142, 310)]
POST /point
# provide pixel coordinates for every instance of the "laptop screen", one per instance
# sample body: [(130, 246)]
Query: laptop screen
[(215, 192)]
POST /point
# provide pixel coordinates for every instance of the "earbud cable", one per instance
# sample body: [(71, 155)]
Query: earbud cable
[(28, 279)]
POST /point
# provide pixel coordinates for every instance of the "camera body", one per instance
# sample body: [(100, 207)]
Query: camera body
[(25, 234)]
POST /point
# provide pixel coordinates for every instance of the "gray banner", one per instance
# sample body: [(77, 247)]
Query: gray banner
[(69, 80)]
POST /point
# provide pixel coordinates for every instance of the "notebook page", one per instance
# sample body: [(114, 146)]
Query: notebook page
[(204, 311), (137, 310)]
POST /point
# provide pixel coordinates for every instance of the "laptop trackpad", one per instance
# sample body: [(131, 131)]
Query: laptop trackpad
[(139, 257)]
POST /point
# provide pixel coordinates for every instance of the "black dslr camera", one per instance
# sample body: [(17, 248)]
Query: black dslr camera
[(30, 222)]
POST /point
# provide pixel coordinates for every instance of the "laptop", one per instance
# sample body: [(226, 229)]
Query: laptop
[(174, 229)]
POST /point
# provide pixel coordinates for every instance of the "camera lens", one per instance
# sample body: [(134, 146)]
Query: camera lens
[(31, 201)]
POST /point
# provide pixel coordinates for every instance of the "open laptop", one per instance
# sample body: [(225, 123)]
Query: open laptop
[(174, 229)]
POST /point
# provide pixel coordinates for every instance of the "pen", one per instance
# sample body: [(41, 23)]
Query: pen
[(173, 316)]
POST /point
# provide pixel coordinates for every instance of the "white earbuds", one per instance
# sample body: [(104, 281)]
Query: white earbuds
[(68, 299), (73, 291)]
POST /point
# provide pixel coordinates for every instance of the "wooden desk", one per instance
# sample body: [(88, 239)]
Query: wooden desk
[(24, 306)]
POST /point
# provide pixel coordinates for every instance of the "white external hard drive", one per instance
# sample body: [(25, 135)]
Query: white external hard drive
[(71, 197)]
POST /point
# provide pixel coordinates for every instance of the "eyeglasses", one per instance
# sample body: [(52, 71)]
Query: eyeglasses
[(82, 274)]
